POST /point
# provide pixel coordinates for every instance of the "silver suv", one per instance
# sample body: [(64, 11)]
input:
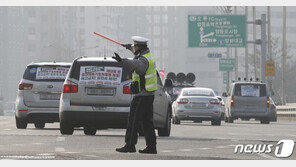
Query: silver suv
[(96, 95), (248, 100), (39, 93)]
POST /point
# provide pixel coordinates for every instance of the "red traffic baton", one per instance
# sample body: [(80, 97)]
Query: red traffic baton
[(107, 38)]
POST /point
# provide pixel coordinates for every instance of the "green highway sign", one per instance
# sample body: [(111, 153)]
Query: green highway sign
[(226, 64), (216, 30)]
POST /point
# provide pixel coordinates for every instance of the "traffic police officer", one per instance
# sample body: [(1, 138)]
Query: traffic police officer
[(143, 86)]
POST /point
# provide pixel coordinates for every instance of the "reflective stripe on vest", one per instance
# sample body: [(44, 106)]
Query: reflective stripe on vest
[(150, 75)]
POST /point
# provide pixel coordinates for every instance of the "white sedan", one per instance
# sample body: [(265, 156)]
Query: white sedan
[(197, 104)]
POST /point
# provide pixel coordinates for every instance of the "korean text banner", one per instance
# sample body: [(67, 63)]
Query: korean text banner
[(100, 75)]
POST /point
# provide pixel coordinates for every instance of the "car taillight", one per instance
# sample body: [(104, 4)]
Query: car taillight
[(25, 86), (267, 102), (68, 88), (127, 89), (182, 101), (232, 101), (214, 101)]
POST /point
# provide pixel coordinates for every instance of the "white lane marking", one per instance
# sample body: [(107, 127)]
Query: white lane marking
[(59, 149), (46, 154), (93, 156), (18, 144), (72, 152), (204, 148), (268, 156), (186, 150), (61, 138), (7, 129), (232, 133), (231, 145), (37, 143), (220, 146), (167, 151)]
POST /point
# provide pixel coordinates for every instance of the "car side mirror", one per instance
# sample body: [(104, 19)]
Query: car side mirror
[(224, 94), (168, 83)]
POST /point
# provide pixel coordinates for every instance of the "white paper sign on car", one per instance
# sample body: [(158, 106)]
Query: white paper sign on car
[(94, 75), (51, 73), (250, 90)]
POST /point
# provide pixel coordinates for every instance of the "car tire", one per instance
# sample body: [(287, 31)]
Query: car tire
[(166, 131), (20, 123), (230, 119), (264, 121), (176, 121), (89, 131), (39, 125), (216, 122), (66, 128), (226, 119)]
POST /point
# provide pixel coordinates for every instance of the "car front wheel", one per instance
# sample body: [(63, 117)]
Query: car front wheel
[(216, 122), (264, 121), (166, 131), (176, 121)]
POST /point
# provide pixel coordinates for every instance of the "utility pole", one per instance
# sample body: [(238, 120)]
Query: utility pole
[(228, 11), (262, 22), (235, 55), (254, 46), (269, 47), (246, 49), (263, 46), (284, 54)]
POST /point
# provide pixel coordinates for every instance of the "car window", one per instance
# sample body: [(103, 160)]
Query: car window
[(250, 90), (90, 66), (198, 92), (46, 73)]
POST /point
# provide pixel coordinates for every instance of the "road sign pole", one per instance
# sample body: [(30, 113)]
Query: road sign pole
[(227, 84), (263, 46)]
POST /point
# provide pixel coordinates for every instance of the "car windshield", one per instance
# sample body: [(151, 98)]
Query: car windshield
[(250, 90), (198, 92), (46, 73)]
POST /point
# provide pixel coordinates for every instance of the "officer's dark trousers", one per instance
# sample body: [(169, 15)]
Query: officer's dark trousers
[(141, 111)]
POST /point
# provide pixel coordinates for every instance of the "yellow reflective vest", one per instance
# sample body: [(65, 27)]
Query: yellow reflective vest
[(150, 75)]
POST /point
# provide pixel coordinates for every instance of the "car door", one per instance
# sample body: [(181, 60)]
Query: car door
[(160, 104)]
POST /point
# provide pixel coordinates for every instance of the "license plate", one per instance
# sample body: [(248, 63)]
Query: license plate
[(50, 96), (101, 92)]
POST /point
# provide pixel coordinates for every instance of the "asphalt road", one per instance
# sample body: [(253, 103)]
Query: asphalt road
[(187, 141)]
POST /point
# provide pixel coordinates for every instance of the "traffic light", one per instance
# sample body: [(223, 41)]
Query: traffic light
[(181, 78)]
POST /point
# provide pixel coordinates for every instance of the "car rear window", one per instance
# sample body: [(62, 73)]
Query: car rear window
[(46, 73), (198, 92), (250, 90), (100, 71)]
